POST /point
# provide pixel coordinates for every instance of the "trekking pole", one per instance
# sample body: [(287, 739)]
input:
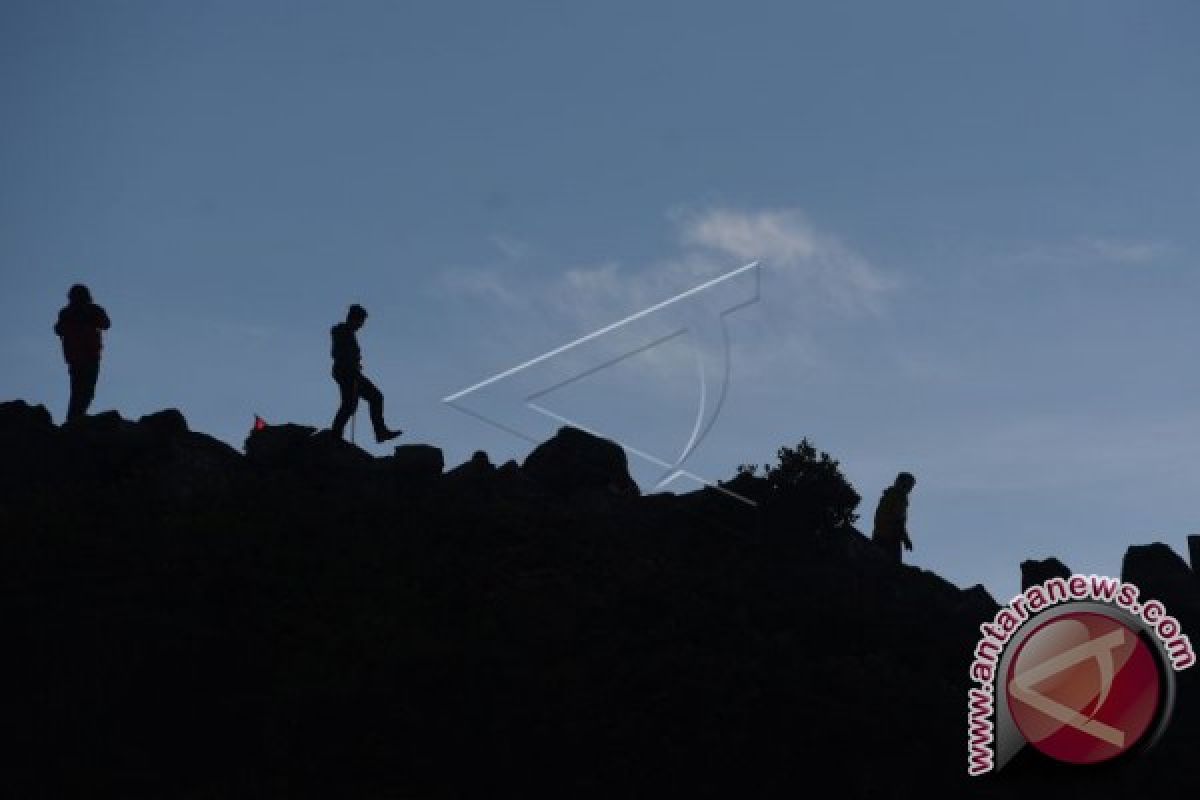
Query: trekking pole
[(354, 416)]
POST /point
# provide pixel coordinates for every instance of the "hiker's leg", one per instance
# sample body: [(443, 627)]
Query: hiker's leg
[(74, 405), (370, 392), (891, 547), (346, 389), (83, 387)]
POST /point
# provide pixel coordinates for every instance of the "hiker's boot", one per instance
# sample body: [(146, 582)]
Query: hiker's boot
[(387, 435)]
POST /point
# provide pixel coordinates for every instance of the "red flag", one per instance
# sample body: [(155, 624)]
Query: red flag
[(260, 424)]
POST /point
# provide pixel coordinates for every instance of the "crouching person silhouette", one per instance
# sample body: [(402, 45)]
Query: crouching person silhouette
[(352, 384), (79, 325)]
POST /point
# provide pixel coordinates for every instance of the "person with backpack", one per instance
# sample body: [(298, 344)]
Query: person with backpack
[(891, 517), (352, 384), (79, 326)]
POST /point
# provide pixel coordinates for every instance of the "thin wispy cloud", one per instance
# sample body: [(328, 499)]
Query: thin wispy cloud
[(511, 247), (1127, 252), (1091, 250), (815, 269), (486, 285), (808, 278), (806, 259)]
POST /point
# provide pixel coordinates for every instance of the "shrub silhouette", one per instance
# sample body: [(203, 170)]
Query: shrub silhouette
[(806, 484)]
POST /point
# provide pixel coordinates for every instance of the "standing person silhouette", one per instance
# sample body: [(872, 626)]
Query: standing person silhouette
[(352, 384), (79, 326), (891, 517)]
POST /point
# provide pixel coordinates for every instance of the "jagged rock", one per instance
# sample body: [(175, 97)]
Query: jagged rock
[(1160, 573), (203, 453), (326, 450), (169, 422), (29, 449), (303, 446), (1034, 572), (275, 445), (478, 462), (106, 422), (510, 474), (477, 466), (418, 461), (460, 626), (20, 416), (978, 602), (1150, 565), (474, 477), (515, 484), (573, 460)]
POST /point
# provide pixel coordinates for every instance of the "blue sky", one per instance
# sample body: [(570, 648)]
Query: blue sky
[(975, 223)]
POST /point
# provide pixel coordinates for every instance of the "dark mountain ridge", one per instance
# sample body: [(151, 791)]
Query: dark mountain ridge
[(308, 620)]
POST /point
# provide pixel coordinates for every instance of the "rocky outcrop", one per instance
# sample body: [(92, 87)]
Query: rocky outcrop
[(574, 461), (302, 447), (154, 459), (1155, 567), (18, 417), (1034, 571), (1161, 574), (165, 423), (305, 619), (418, 462)]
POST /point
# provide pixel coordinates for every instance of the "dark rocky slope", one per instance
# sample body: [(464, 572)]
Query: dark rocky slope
[(306, 620)]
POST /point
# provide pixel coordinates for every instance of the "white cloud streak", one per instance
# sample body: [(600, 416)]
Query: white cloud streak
[(814, 269), (808, 278), (1094, 251), (805, 258)]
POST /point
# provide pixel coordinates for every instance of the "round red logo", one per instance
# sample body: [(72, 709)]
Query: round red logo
[(1083, 688)]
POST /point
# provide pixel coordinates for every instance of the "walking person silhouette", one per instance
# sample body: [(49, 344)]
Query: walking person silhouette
[(352, 383), (79, 326), (891, 517)]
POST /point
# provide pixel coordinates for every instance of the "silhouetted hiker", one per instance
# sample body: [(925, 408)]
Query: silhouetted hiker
[(347, 371), (79, 325), (891, 517)]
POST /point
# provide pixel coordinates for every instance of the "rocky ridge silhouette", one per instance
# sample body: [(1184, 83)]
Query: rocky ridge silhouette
[(308, 620)]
